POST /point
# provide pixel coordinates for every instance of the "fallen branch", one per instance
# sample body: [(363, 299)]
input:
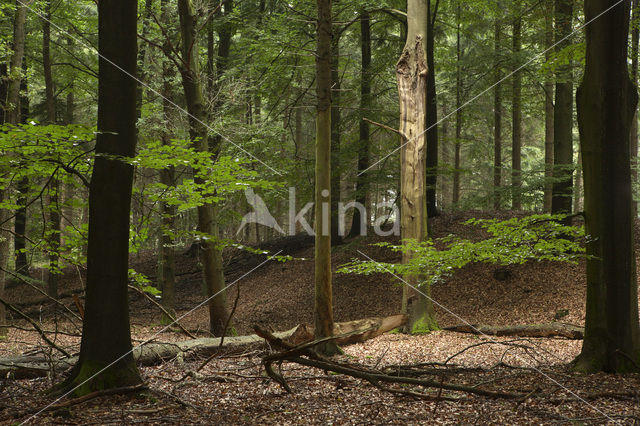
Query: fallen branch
[(314, 360), (530, 330), (155, 353)]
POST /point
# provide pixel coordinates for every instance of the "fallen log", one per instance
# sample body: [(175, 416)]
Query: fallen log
[(554, 329), (153, 353)]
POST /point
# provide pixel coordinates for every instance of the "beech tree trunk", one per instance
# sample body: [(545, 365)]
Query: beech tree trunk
[(633, 141), (411, 74), (548, 112), (497, 124), (359, 224), (606, 102), (336, 238), (516, 138), (106, 359), (211, 256), (167, 211), (54, 186), (323, 308), (432, 115), (456, 145), (563, 117)]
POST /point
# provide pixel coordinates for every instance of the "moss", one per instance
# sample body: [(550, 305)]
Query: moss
[(93, 376), (423, 325)]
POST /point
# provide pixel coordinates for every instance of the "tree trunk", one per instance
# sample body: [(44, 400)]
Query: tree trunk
[(516, 141), (633, 141), (497, 123), (336, 238), (106, 359), (548, 112), (606, 101), (432, 115), (13, 115), (360, 224), (456, 154), (54, 186), (146, 21), (411, 74), (323, 308), (211, 257), (168, 212), (563, 117)]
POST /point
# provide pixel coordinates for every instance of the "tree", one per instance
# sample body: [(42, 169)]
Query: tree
[(432, 113), (199, 134), (360, 223), (516, 111), (106, 359), (11, 116), (54, 186), (548, 113), (606, 101), (497, 123), (563, 115), (411, 75), (323, 308)]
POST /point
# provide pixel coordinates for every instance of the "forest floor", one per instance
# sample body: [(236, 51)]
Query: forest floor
[(233, 387)]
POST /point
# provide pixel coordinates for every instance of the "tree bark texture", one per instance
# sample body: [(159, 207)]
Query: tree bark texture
[(323, 307), (359, 224), (105, 359), (411, 74), (548, 112), (211, 256), (516, 110), (563, 116), (606, 102)]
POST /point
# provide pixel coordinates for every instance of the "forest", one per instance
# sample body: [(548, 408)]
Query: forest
[(268, 212)]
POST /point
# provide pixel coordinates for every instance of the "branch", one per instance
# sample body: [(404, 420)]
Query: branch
[(35, 325), (149, 298)]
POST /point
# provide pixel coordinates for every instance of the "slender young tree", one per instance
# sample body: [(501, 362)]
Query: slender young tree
[(516, 111), (497, 121), (432, 113), (106, 359), (323, 308), (359, 224), (194, 95), (548, 112), (336, 117), (563, 116), (54, 186), (456, 154), (167, 177), (606, 102), (411, 74)]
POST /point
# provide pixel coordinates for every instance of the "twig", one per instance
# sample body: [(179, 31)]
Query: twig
[(149, 298), (39, 290), (226, 326), (35, 325), (384, 126)]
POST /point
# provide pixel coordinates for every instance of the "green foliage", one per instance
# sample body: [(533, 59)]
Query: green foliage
[(509, 242)]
